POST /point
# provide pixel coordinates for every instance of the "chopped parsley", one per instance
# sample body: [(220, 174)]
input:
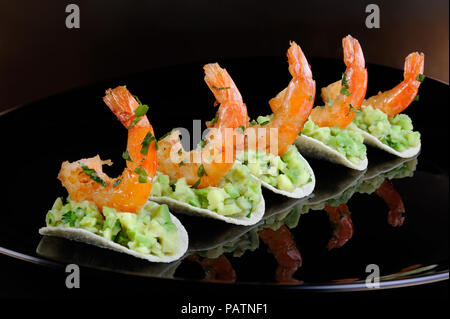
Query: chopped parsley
[(117, 182), (420, 77), (181, 163), (92, 174), (214, 120), (139, 112), (240, 129), (126, 156), (416, 98), (200, 173), (142, 174), (345, 86), (146, 143), (69, 218), (251, 208), (352, 108), (223, 88), (264, 123), (202, 144)]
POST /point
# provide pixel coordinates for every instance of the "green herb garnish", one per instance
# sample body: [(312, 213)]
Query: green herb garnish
[(240, 129), (126, 156), (420, 77), (264, 123), (117, 182), (251, 208), (139, 112), (214, 120), (146, 143), (69, 218), (345, 86), (223, 88), (92, 174), (201, 171), (142, 174), (181, 163), (352, 108), (416, 98), (196, 183)]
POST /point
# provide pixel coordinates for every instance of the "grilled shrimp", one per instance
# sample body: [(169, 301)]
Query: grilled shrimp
[(400, 97), (207, 165), (85, 180), (291, 108), (345, 96)]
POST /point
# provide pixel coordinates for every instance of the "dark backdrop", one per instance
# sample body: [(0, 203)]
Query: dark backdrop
[(39, 56)]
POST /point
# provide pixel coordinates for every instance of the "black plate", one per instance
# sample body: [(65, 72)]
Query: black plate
[(36, 138)]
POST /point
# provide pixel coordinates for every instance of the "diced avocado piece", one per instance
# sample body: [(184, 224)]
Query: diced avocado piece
[(284, 183), (216, 198), (231, 190), (254, 168)]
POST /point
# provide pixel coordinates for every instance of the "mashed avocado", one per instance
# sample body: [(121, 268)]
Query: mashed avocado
[(396, 132), (285, 172), (237, 194), (151, 231), (348, 141)]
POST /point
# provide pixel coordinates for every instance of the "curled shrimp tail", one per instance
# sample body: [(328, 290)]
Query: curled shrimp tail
[(414, 65), (396, 100), (298, 65), (344, 97), (221, 84)]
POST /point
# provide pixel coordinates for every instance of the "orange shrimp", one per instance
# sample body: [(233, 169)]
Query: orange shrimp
[(400, 97), (345, 95), (207, 165), (85, 180), (291, 107)]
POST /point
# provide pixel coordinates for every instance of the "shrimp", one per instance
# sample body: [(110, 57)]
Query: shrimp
[(85, 180), (207, 165), (400, 97), (343, 230), (344, 97), (387, 192), (291, 108)]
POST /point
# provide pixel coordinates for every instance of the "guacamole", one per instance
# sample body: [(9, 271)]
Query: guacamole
[(348, 142), (237, 194), (285, 172), (151, 231), (396, 132)]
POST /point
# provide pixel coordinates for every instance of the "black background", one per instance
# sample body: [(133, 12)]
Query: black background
[(39, 56)]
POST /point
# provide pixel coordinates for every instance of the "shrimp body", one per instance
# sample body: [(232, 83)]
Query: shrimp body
[(207, 165), (291, 107), (85, 180), (346, 96), (400, 97)]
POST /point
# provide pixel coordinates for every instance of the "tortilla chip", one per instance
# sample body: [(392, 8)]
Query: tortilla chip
[(315, 148), (85, 236)]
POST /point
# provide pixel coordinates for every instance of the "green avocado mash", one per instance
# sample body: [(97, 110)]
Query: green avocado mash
[(348, 141), (285, 172), (396, 132), (237, 194), (151, 231)]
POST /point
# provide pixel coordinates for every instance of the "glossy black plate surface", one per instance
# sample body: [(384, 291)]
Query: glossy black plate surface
[(36, 138)]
